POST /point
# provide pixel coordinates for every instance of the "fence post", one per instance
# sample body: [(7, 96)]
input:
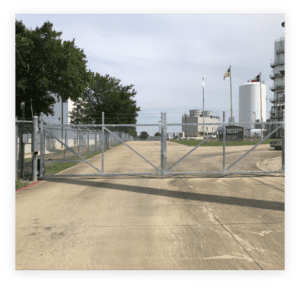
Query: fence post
[(163, 143), (21, 151), (224, 128), (102, 142), (283, 141), (17, 135), (78, 141), (88, 140), (34, 149), (66, 142), (95, 141), (42, 146)]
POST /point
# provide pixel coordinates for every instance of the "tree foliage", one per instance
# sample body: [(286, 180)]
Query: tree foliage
[(46, 66), (144, 135), (157, 134), (106, 94)]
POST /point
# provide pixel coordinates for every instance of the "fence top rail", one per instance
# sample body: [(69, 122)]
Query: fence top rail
[(159, 125), (17, 121)]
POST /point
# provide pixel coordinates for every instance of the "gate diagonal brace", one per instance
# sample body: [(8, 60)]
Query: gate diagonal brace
[(131, 148), (83, 159), (253, 147), (201, 143)]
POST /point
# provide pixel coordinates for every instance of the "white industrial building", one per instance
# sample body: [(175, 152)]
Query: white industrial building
[(57, 109), (250, 103), (196, 116)]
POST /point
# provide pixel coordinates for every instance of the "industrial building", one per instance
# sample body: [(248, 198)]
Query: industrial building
[(250, 103), (278, 76), (198, 116)]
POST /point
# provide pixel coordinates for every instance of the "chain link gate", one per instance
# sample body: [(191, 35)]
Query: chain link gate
[(108, 138)]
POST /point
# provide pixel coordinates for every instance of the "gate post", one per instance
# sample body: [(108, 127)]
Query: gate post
[(34, 149), (42, 146), (102, 142), (21, 150), (283, 141), (88, 140), (78, 138), (224, 141), (17, 136), (66, 142), (163, 144)]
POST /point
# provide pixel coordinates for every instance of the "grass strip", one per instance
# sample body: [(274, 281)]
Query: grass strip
[(220, 143), (53, 168)]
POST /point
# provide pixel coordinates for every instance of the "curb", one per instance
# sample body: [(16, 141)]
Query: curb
[(27, 186)]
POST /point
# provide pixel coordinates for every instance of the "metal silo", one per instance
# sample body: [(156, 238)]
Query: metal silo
[(249, 104), (207, 113), (195, 113)]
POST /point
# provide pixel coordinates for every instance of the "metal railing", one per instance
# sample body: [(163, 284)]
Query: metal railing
[(276, 63)]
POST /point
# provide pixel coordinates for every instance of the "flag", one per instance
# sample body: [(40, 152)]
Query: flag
[(203, 84), (256, 79), (227, 74)]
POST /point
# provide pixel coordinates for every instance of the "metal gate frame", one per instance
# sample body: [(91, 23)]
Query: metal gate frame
[(45, 129), (163, 170), (225, 170)]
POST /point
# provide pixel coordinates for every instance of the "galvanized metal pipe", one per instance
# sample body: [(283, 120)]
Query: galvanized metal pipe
[(166, 174), (224, 153), (201, 143), (73, 151), (252, 148), (283, 143), (34, 148), (17, 135), (42, 146), (132, 149), (102, 142)]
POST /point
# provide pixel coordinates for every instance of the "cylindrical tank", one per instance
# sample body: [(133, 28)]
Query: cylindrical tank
[(195, 113), (207, 113), (249, 104)]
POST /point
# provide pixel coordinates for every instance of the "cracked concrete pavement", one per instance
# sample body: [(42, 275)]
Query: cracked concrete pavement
[(142, 223)]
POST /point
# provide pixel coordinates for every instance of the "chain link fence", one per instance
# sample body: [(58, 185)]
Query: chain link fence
[(24, 132)]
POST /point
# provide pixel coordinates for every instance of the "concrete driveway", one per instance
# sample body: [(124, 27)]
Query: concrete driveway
[(150, 223)]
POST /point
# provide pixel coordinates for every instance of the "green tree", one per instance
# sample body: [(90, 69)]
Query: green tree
[(157, 134), (144, 135), (106, 94), (46, 66)]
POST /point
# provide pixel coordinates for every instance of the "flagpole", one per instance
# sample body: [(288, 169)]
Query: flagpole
[(203, 109), (260, 107), (231, 95)]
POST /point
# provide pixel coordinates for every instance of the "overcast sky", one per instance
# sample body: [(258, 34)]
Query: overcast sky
[(166, 56)]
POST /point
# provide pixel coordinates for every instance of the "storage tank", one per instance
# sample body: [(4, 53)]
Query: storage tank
[(249, 104), (195, 113), (207, 113)]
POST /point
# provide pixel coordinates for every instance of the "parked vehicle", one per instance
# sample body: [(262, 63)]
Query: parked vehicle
[(276, 144)]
